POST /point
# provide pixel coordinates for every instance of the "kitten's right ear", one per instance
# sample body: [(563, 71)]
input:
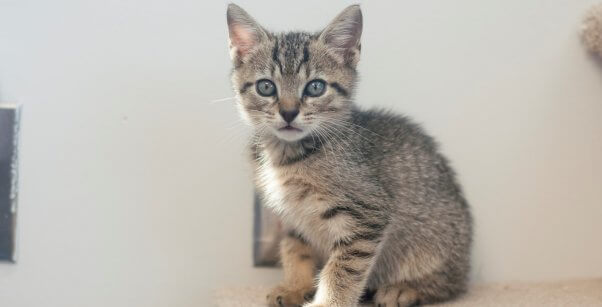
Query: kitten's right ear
[(245, 32)]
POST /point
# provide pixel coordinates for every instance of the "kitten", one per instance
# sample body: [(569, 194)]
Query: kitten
[(366, 195)]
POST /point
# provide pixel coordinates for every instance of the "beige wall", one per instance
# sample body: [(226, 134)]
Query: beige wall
[(134, 187)]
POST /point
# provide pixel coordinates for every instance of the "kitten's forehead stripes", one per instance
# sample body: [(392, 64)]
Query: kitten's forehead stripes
[(291, 51), (276, 55), (305, 59)]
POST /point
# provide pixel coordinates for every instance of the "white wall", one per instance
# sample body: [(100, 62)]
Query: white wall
[(135, 192)]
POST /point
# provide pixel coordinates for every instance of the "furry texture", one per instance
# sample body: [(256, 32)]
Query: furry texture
[(366, 195), (592, 30)]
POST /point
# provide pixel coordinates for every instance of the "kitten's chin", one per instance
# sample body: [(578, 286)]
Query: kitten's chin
[(290, 135)]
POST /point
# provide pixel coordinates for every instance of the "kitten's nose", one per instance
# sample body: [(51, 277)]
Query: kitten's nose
[(289, 115)]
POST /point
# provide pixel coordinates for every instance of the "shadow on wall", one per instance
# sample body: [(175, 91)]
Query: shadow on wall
[(596, 60)]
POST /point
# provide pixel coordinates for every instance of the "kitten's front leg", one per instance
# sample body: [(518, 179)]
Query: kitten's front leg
[(343, 278), (299, 268)]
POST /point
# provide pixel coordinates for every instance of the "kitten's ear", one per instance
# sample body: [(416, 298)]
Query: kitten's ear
[(245, 32), (344, 32)]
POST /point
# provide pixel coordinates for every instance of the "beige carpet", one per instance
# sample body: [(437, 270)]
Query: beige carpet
[(568, 293)]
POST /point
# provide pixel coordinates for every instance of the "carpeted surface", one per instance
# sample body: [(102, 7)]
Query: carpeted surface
[(568, 293)]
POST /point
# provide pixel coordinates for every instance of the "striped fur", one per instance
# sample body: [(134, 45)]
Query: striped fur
[(366, 195)]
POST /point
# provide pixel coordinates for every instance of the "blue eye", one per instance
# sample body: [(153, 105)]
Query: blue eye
[(315, 88), (265, 88)]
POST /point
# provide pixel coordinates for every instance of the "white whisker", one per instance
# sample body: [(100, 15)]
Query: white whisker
[(222, 99)]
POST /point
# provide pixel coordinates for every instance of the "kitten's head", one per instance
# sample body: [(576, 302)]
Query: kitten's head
[(295, 84)]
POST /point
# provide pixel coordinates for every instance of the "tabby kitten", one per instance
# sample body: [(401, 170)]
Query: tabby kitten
[(367, 197)]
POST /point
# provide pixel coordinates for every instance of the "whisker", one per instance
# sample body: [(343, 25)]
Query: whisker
[(343, 141), (341, 124), (222, 99), (333, 145)]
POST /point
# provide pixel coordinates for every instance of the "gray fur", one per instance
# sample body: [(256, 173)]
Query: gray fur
[(367, 192)]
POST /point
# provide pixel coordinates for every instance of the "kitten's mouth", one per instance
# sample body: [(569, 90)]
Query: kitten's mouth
[(289, 128), (290, 133)]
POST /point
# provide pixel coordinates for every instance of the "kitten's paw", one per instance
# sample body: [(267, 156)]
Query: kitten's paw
[(283, 296), (396, 295)]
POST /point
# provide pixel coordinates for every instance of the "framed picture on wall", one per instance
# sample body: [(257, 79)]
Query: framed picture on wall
[(267, 234), (9, 137)]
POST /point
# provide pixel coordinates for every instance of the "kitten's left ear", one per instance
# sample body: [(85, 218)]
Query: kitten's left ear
[(245, 32), (344, 32)]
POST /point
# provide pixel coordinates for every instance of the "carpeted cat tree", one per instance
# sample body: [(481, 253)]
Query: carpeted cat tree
[(564, 293)]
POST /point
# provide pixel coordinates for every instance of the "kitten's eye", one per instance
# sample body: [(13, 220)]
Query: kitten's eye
[(265, 88), (315, 88)]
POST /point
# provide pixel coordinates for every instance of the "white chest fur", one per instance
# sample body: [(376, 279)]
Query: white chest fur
[(303, 214)]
